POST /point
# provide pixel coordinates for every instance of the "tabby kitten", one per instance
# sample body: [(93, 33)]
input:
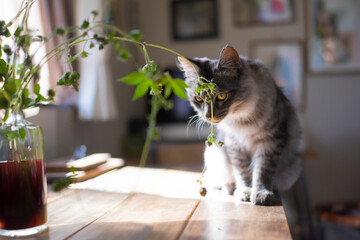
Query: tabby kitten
[(256, 122)]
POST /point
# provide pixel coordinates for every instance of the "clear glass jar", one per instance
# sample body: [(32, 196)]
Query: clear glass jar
[(23, 196)]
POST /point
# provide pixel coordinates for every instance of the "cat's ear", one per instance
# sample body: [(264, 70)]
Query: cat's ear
[(229, 58), (187, 66)]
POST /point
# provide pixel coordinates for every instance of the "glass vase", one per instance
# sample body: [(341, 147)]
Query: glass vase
[(23, 197)]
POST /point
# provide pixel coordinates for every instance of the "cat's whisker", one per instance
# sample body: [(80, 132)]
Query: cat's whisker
[(192, 120), (200, 124)]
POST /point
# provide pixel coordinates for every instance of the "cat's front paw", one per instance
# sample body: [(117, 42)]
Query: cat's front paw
[(243, 194), (264, 197)]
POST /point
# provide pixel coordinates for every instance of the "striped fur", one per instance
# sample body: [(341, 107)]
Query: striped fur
[(257, 123)]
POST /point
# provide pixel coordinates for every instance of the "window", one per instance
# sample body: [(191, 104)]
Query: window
[(7, 13)]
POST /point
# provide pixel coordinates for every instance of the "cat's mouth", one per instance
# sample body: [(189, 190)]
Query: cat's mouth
[(215, 120)]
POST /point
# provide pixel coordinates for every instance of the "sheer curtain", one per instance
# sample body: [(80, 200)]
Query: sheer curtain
[(57, 13), (96, 100)]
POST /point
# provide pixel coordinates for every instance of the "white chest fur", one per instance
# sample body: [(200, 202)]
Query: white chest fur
[(242, 135), (246, 137)]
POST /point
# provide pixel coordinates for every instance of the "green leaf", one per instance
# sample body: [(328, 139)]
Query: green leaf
[(135, 34), (18, 31), (25, 41), (17, 83), (63, 183), (70, 79), (74, 57), (85, 24), (167, 91), (5, 99), (3, 65), (37, 88), (74, 76), (123, 55), (40, 98), (39, 38), (5, 95), (150, 68), (84, 54), (12, 135), (179, 91), (10, 86), (2, 24), (51, 93), (180, 83), (142, 89), (19, 68), (4, 31), (28, 102), (95, 13), (7, 50), (22, 133), (134, 78), (26, 93), (118, 45), (60, 31)]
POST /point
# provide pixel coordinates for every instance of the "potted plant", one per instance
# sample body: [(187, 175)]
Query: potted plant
[(23, 187)]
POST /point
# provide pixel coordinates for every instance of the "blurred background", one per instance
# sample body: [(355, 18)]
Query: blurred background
[(311, 47)]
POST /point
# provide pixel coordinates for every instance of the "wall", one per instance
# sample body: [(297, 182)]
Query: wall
[(63, 132), (331, 114)]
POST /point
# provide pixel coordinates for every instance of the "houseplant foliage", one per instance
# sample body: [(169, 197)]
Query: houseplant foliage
[(23, 199), (19, 73)]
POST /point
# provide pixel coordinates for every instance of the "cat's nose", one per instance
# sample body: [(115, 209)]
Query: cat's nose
[(208, 115)]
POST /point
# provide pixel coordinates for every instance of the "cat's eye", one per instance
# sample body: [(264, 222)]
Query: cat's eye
[(198, 99), (221, 96)]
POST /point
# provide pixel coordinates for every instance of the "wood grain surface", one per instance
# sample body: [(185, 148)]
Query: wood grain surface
[(215, 219), (142, 216), (134, 203)]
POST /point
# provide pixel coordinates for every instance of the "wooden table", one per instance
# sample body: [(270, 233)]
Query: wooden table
[(134, 203)]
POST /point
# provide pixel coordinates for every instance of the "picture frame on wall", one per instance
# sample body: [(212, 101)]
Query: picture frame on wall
[(194, 19), (285, 60), (263, 12), (334, 36)]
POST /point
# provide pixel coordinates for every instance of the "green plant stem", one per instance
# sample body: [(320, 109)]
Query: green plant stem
[(212, 113), (159, 47), (112, 27), (212, 116), (72, 42), (6, 115), (149, 136), (147, 57), (150, 130), (17, 15)]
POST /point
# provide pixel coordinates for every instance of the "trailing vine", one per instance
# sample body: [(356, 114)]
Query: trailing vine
[(18, 70)]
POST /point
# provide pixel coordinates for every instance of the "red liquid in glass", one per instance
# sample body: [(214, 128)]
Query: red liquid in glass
[(22, 194)]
